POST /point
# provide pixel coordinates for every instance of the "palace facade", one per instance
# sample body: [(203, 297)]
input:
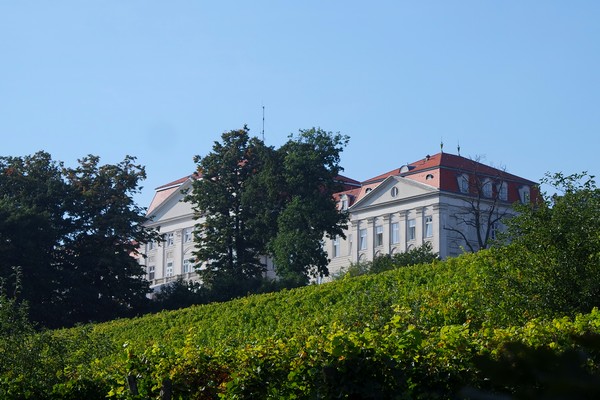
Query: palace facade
[(454, 203)]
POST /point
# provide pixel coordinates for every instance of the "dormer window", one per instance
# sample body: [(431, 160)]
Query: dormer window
[(463, 183), (344, 203), (503, 191), (525, 194), (486, 188)]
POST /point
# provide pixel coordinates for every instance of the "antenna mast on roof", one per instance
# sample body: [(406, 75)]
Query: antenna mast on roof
[(263, 127), (458, 148), (442, 145)]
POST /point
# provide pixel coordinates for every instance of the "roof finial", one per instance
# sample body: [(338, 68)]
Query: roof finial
[(458, 148), (442, 145), (263, 125)]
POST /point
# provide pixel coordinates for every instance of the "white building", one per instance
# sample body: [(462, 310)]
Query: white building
[(172, 258), (425, 201), (431, 200)]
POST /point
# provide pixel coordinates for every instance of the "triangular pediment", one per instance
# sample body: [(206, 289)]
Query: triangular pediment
[(393, 189), (172, 206)]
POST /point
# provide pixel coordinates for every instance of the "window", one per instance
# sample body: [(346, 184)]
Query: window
[(486, 188), (412, 229), (394, 192), (170, 239), (336, 246), (463, 183), (151, 272), (344, 203), (429, 226), (525, 194), (503, 191), (379, 235), (150, 246), (169, 270), (429, 177), (493, 231), (362, 239), (395, 232), (188, 265), (188, 235)]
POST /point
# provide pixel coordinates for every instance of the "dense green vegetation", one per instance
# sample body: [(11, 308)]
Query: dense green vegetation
[(516, 321), (418, 331), (70, 234), (419, 255)]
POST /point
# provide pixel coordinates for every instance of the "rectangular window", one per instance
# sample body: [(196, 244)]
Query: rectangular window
[(429, 226), (188, 265), (395, 232), (525, 194), (362, 239), (170, 239), (463, 183), (412, 229), (151, 272), (336, 246), (379, 235), (188, 235), (150, 246), (344, 204), (169, 270), (503, 191)]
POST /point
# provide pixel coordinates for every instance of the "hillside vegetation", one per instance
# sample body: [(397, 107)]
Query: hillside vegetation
[(422, 331)]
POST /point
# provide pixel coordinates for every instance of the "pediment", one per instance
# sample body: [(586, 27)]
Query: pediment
[(173, 205), (393, 189)]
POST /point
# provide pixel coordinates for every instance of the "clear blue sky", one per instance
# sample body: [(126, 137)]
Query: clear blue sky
[(514, 82)]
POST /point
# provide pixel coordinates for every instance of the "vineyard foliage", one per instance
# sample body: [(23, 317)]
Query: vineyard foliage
[(427, 331)]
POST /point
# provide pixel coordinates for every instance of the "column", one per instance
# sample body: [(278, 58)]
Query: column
[(370, 252), (386, 233)]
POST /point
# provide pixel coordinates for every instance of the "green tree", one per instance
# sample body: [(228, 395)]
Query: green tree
[(226, 244), (555, 250), (32, 226), (310, 170), (72, 233), (105, 228), (253, 200)]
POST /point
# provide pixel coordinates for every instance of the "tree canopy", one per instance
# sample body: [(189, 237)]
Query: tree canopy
[(553, 258), (72, 234), (252, 200)]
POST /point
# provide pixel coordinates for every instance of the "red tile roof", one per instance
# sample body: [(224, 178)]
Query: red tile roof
[(446, 161), (440, 171), (178, 182)]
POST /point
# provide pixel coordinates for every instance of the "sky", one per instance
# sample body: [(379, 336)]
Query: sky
[(514, 83)]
